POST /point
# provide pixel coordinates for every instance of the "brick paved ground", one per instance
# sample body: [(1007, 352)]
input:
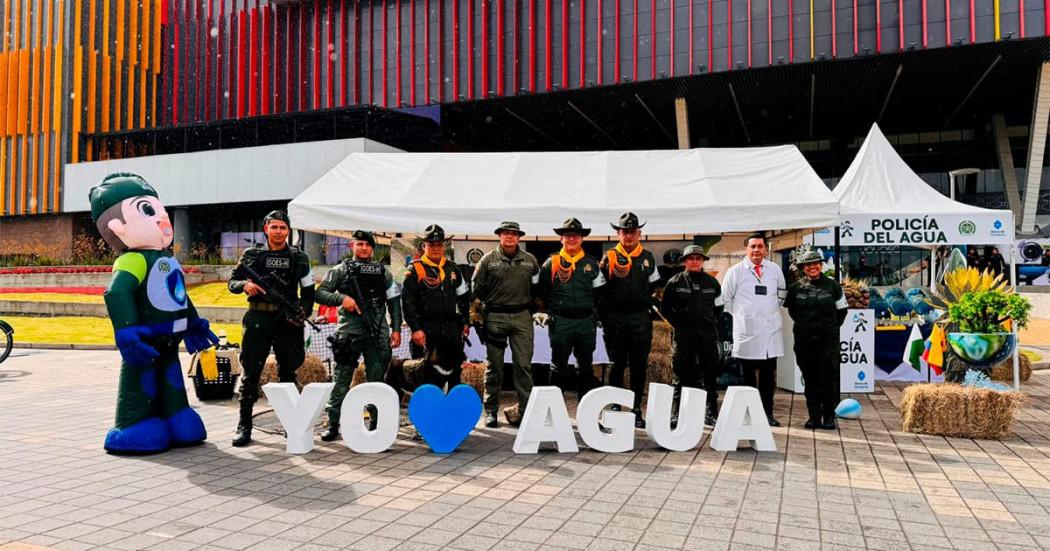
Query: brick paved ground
[(865, 486)]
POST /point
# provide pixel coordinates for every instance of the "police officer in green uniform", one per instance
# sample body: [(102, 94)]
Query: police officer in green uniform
[(286, 269), (503, 283), (364, 291), (692, 303), (624, 304), (567, 285), (818, 307), (436, 302)]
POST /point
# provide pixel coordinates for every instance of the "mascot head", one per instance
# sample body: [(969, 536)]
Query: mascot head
[(128, 214)]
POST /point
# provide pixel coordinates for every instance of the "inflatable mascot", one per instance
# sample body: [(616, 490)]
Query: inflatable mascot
[(151, 314)]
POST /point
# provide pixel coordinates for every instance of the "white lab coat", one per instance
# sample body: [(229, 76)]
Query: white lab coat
[(757, 325)]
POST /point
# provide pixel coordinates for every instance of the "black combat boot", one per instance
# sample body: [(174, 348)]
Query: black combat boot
[(243, 437), (490, 419), (711, 418), (332, 434)]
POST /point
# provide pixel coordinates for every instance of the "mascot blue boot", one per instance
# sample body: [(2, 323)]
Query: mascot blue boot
[(151, 315)]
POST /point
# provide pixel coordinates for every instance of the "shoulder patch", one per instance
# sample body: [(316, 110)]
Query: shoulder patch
[(133, 263)]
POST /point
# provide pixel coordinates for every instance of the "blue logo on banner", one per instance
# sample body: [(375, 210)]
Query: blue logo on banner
[(998, 224), (444, 421), (861, 376)]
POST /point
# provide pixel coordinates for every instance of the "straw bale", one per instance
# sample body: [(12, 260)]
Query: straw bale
[(312, 370), (962, 411), (474, 375), (1004, 372)]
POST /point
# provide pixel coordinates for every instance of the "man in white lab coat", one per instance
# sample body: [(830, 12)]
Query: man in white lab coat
[(753, 291)]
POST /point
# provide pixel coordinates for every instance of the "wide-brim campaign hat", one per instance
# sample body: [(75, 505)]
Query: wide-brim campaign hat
[(809, 257), (572, 225), (694, 250), (627, 221), (509, 225), (435, 234)]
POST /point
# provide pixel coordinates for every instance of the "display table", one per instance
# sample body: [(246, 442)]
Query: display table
[(317, 345)]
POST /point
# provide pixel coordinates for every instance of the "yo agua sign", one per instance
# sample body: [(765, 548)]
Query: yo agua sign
[(446, 420)]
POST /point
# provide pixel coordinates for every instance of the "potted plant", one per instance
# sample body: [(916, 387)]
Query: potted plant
[(977, 306)]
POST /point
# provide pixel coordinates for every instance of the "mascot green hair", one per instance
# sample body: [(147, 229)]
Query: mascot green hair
[(151, 314)]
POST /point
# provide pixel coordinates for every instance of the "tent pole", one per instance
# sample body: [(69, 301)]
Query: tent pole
[(838, 254), (933, 269), (1013, 326)]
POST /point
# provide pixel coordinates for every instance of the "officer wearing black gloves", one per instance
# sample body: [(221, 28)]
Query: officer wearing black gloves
[(692, 303), (286, 270), (435, 300), (818, 307)]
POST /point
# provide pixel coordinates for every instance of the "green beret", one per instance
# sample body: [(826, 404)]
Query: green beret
[(115, 188), (362, 235)]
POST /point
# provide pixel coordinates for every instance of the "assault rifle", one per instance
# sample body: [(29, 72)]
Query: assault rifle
[(291, 310), (373, 325)]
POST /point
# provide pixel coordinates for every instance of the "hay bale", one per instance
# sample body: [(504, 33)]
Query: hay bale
[(474, 375), (962, 411), (1004, 372), (359, 375), (312, 370), (512, 414), (663, 337)]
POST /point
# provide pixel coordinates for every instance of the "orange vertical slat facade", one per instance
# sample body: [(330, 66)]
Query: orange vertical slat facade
[(133, 41), (78, 83), (57, 116), (45, 120), (118, 66), (145, 59), (23, 126)]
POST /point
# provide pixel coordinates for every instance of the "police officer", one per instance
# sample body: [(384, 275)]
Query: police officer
[(436, 304), (503, 283), (364, 291), (692, 303), (567, 284), (286, 269), (624, 305), (818, 307)]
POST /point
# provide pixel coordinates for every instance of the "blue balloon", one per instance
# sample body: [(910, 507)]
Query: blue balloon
[(444, 421), (848, 409)]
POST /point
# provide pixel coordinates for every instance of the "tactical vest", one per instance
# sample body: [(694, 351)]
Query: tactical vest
[(371, 278), (280, 268)]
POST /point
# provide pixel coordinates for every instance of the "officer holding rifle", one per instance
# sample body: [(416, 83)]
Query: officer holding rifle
[(272, 277), (365, 291)]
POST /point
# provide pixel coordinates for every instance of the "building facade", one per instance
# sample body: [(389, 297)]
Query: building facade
[(952, 82)]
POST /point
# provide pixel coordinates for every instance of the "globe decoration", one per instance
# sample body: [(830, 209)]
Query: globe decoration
[(848, 409), (982, 349)]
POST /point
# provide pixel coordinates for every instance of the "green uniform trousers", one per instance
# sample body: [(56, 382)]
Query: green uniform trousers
[(577, 337), (347, 350), (517, 329), (263, 330)]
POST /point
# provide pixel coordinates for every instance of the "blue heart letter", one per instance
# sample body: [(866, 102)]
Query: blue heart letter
[(444, 421)]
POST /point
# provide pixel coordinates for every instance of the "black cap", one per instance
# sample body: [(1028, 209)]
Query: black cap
[(694, 250), (435, 233), (277, 215), (628, 221), (572, 225), (362, 235)]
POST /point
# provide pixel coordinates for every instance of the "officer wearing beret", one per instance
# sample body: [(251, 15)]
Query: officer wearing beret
[(624, 305), (503, 283), (567, 284), (287, 269), (436, 303), (364, 291), (818, 307), (692, 303)]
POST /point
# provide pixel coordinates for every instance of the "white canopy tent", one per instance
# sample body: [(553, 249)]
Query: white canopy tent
[(883, 202), (676, 191)]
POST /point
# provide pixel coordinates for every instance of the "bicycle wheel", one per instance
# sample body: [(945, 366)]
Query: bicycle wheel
[(7, 340)]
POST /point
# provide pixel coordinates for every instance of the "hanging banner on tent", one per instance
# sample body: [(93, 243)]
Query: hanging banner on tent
[(857, 351), (942, 229)]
